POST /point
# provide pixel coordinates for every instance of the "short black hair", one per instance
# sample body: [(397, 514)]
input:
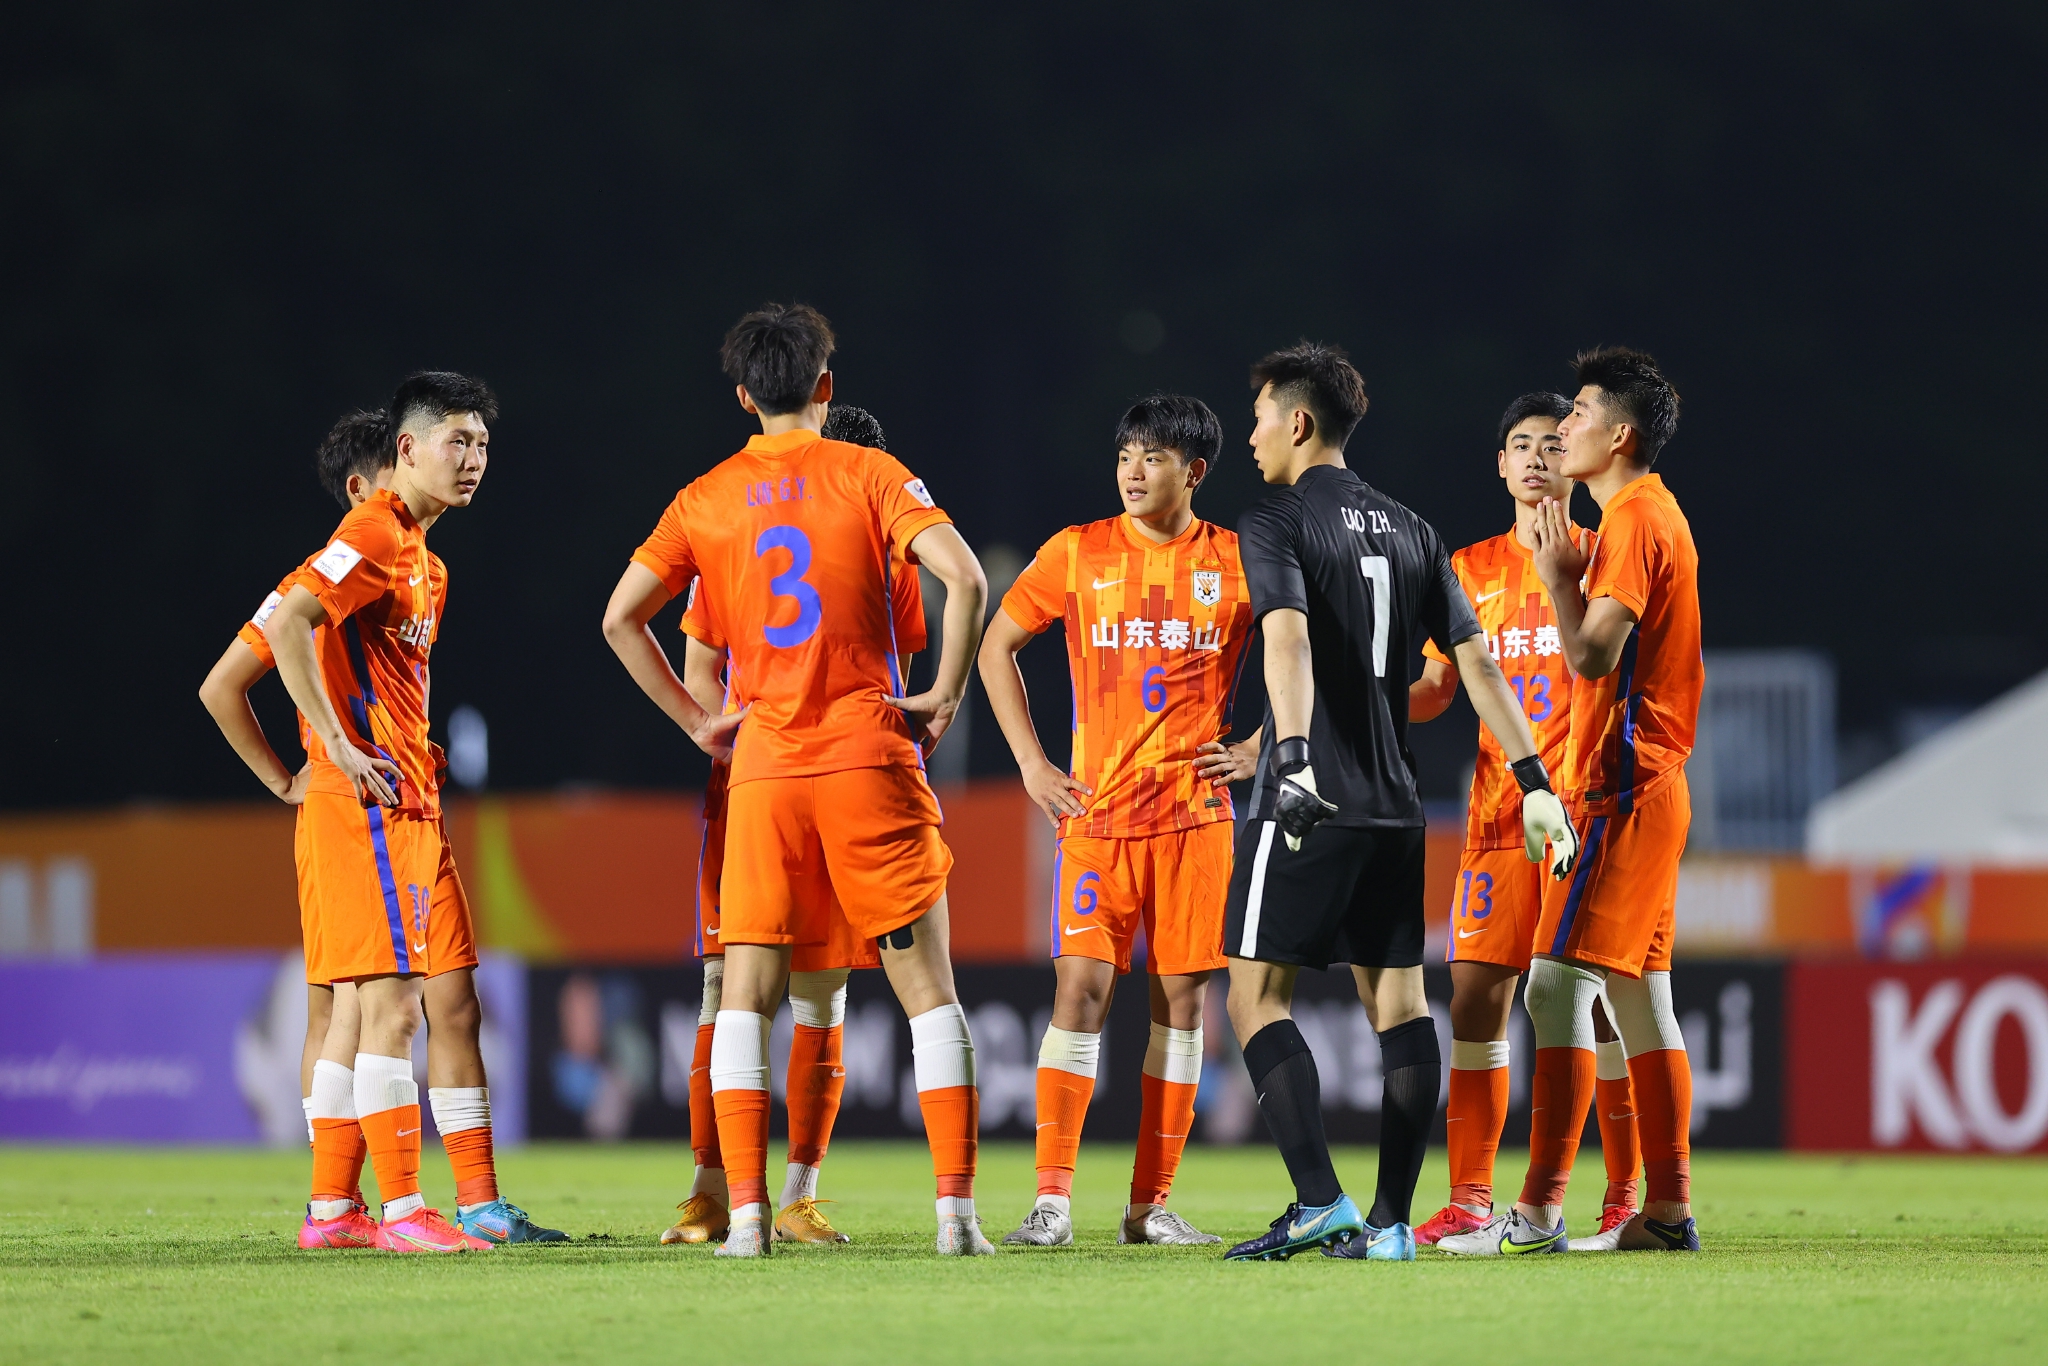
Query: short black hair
[(856, 425), (1638, 392), (1556, 407), (358, 444), (1172, 422), (434, 394), (1320, 378), (778, 351)]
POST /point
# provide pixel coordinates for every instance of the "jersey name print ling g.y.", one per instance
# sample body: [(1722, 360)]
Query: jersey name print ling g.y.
[(1156, 637), (1371, 577)]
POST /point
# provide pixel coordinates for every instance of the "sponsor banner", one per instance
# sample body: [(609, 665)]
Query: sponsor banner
[(196, 1048), (611, 1049), (1924, 1056)]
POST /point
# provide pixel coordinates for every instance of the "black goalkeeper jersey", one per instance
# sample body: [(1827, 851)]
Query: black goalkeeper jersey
[(1373, 580)]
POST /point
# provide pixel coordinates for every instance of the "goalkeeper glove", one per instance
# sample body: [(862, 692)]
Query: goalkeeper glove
[(1543, 819), (1298, 808)]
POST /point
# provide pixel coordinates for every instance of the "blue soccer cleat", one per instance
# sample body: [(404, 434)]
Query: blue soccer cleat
[(1298, 1228), (1394, 1243), (501, 1222), (1683, 1237)]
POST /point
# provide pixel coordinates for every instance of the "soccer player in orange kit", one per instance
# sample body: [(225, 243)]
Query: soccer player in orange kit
[(354, 460), (792, 540), (1499, 893), (818, 972), (1631, 634), (1157, 619), (351, 639)]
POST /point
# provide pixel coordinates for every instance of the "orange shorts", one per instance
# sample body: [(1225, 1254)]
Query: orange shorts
[(863, 840), (843, 948), (451, 929), (1495, 904), (367, 883), (1174, 884), (1619, 906)]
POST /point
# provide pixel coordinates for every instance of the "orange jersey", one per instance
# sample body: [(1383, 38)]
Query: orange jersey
[(1632, 730), (1513, 607), (906, 600), (383, 592), (794, 538), (1155, 640)]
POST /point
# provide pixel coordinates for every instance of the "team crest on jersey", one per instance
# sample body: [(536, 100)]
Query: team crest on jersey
[(916, 489), (1208, 586)]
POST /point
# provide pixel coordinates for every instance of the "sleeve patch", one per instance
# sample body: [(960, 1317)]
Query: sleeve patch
[(270, 604), (337, 560), (916, 489)]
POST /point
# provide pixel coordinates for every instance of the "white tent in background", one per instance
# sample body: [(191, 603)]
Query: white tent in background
[(1976, 792)]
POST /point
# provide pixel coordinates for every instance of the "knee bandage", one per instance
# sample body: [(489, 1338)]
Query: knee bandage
[(817, 1000), (1559, 999), (714, 991)]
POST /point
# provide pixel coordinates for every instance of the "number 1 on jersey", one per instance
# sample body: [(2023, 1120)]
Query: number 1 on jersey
[(1380, 574)]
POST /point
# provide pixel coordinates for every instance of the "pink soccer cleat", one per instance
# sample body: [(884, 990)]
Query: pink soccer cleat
[(1449, 1220), (424, 1230), (354, 1229)]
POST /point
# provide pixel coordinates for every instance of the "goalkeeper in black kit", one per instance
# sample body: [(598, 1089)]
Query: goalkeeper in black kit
[(1329, 863)]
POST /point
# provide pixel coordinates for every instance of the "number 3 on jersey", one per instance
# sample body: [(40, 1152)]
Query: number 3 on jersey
[(790, 583)]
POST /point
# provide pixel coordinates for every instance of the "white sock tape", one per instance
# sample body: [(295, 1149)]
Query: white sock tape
[(1174, 1055), (1485, 1055), (1641, 1009), (1069, 1050), (460, 1107), (739, 1051), (714, 989), (334, 1092), (1559, 999), (941, 1049), (383, 1084), (817, 1000), (1610, 1062)]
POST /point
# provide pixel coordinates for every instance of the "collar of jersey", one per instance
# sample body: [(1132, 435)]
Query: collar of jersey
[(1139, 540), (1634, 488), (782, 443), (397, 505), (1514, 539)]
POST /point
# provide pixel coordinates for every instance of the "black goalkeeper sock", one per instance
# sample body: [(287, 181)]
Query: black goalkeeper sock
[(1412, 1068), (1291, 1098)]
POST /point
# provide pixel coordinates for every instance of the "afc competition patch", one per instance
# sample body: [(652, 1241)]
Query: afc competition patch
[(1208, 586)]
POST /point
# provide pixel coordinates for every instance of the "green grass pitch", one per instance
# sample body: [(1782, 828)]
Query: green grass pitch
[(170, 1255)]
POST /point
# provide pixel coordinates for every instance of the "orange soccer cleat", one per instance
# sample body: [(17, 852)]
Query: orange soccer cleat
[(1449, 1220), (704, 1220), (424, 1230)]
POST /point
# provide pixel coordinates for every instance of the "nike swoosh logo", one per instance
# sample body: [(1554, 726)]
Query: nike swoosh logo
[(1467, 934), (1079, 928), (419, 948), (402, 1133), (1048, 1124), (414, 580), (1628, 1114), (1484, 596), (1101, 584), (838, 1071), (1157, 1134), (713, 932), (1511, 1248)]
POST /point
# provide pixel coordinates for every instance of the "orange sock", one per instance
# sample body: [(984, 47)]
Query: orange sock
[(703, 1118), (1663, 1088), (337, 1159), (394, 1141), (1062, 1109), (816, 1083), (743, 1140), (1477, 1108), (1615, 1108), (1166, 1116), (476, 1172), (1559, 1093), (952, 1125), (357, 1158)]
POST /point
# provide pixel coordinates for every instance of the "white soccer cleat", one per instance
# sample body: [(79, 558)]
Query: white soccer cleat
[(1045, 1226), (1506, 1234), (748, 1238), (1613, 1219), (962, 1237), (1157, 1225)]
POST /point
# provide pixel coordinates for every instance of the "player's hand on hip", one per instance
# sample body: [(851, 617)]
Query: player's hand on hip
[(1298, 808), (930, 713), (1221, 763), (294, 793), (374, 778), (1056, 793), (1559, 559), (715, 737)]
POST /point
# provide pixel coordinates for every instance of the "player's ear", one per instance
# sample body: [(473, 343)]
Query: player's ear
[(746, 399), (405, 445), (822, 393), (1304, 426), (1198, 470)]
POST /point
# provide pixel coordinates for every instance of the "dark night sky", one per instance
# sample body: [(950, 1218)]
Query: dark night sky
[(223, 229)]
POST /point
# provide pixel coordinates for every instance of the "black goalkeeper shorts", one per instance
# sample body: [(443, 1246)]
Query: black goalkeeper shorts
[(1350, 895)]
